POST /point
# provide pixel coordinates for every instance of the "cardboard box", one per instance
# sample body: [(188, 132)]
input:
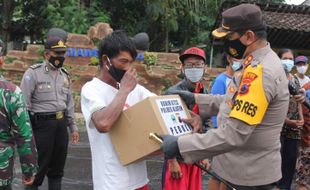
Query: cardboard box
[(157, 114)]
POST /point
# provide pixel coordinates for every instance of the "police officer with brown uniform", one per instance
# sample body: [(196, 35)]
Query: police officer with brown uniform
[(246, 146), (47, 92)]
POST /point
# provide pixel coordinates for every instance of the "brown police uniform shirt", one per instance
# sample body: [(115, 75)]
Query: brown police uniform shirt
[(48, 90), (246, 146)]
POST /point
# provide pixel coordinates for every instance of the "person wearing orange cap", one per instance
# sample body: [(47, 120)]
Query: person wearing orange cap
[(176, 174)]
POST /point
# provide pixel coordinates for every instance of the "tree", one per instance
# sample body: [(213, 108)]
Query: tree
[(7, 10), (169, 23)]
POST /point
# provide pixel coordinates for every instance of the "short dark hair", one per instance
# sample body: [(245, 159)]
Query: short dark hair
[(261, 34), (224, 61), (283, 51), (115, 42)]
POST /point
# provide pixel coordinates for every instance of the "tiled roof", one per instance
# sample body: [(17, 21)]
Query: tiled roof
[(288, 26), (288, 21)]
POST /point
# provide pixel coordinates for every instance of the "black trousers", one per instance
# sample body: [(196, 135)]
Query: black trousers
[(289, 151), (51, 138), (9, 187)]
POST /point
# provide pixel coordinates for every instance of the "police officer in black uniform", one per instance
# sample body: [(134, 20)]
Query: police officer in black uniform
[(47, 91)]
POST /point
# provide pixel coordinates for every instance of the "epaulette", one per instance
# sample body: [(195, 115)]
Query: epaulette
[(35, 66), (65, 71)]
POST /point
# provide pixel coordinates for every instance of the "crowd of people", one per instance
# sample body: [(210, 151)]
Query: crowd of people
[(260, 134)]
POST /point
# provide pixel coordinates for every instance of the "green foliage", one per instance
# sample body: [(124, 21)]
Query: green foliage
[(68, 15), (67, 67), (167, 67), (94, 61), (167, 83), (39, 60), (9, 60), (169, 23), (40, 51), (150, 58), (83, 68)]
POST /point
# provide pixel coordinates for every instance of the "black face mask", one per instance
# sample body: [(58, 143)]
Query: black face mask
[(117, 74), (57, 62), (234, 48)]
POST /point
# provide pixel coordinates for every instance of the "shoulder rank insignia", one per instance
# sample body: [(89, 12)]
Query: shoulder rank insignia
[(65, 71), (35, 66), (247, 61)]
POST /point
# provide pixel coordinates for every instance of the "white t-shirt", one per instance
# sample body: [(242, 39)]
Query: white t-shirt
[(303, 81), (108, 172)]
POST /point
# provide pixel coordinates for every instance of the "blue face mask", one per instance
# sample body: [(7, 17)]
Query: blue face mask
[(287, 64), (236, 65)]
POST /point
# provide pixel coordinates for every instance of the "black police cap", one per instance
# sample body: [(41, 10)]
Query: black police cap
[(240, 18), (56, 39)]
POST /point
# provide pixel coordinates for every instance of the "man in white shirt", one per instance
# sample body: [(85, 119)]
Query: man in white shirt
[(103, 99), (301, 63)]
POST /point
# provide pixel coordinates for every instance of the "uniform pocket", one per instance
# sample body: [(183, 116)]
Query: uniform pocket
[(45, 92), (65, 90)]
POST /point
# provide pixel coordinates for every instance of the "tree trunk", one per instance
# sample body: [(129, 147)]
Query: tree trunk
[(167, 40), (7, 13)]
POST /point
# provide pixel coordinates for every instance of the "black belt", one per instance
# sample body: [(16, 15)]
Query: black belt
[(48, 115)]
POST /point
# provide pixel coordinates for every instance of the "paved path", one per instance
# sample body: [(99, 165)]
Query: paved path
[(78, 169)]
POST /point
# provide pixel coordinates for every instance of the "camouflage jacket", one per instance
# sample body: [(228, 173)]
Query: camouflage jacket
[(15, 129)]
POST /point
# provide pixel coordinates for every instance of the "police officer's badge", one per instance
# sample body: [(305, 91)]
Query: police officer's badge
[(233, 52)]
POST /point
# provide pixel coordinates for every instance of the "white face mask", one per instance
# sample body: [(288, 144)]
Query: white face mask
[(236, 65), (287, 64), (194, 74), (302, 69)]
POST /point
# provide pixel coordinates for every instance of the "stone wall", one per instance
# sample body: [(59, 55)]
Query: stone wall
[(156, 78)]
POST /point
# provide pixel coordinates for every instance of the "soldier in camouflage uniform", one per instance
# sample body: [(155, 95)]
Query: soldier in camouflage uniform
[(15, 129)]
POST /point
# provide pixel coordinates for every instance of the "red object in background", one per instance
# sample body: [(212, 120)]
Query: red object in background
[(191, 178), (198, 89)]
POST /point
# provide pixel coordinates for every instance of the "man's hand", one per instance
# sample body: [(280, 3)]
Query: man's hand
[(170, 146), (129, 81), (186, 96), (175, 169), (300, 97), (75, 137), (195, 122), (206, 164), (28, 180)]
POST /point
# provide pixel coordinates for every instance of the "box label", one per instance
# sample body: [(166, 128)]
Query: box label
[(172, 111)]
